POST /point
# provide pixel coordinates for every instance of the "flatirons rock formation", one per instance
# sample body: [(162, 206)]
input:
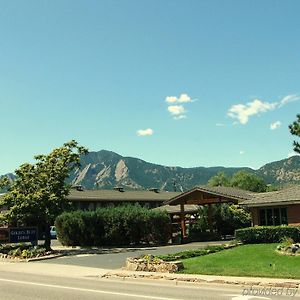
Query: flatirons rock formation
[(106, 170)]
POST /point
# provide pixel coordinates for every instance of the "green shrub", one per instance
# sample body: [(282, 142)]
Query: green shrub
[(23, 251), (121, 225), (267, 234), (33, 252), (15, 252)]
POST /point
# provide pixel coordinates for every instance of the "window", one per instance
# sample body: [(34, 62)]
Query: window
[(273, 216)]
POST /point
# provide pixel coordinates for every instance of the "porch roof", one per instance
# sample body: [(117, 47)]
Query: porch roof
[(203, 195)]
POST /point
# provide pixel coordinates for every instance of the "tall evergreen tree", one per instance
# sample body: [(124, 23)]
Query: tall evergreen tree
[(295, 130)]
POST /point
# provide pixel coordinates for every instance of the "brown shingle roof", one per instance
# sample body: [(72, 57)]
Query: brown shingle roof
[(218, 191), (113, 195), (286, 196), (229, 192)]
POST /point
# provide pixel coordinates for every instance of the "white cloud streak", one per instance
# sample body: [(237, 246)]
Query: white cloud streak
[(275, 125), (179, 117), (288, 99), (144, 132)]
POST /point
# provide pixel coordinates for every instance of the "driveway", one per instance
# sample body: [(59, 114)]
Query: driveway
[(114, 258)]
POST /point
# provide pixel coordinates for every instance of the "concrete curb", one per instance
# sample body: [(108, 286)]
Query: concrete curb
[(210, 279), (39, 258), (45, 257)]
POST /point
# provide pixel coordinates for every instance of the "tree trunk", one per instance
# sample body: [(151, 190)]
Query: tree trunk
[(47, 243)]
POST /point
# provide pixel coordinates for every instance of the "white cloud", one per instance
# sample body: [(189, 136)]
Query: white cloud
[(288, 99), (242, 152), (275, 125), (144, 132), (171, 99), (242, 112), (183, 98), (176, 105), (220, 125), (177, 111)]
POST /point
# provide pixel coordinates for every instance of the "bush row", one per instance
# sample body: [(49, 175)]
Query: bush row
[(122, 225), (267, 234)]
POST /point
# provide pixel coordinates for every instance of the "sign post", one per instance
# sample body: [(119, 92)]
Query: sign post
[(4, 235)]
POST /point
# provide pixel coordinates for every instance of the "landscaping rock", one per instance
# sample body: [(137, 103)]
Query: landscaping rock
[(293, 249), (149, 264)]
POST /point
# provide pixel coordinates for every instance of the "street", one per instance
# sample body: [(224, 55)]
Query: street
[(84, 276), (15, 286), (33, 281)]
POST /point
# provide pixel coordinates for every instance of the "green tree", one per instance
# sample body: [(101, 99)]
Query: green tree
[(295, 130), (229, 217), (226, 219), (242, 180), (220, 179), (38, 194), (247, 181)]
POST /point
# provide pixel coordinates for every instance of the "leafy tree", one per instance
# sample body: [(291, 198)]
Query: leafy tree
[(38, 194), (248, 181), (295, 130), (242, 180), (226, 219), (220, 179)]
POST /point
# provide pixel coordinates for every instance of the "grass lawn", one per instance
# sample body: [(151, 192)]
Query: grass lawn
[(259, 260)]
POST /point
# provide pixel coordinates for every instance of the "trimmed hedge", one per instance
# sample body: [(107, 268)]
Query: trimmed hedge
[(121, 225), (267, 234)]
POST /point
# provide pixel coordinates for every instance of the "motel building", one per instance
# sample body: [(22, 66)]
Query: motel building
[(267, 209)]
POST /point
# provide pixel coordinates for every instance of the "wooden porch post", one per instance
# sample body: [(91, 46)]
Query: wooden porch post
[(210, 224), (182, 221)]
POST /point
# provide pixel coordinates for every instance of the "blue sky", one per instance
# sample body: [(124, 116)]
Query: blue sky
[(179, 83)]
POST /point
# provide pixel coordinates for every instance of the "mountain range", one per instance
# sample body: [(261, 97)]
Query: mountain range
[(106, 170)]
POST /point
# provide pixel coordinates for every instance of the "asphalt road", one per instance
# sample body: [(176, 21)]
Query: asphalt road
[(115, 258), (25, 286)]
